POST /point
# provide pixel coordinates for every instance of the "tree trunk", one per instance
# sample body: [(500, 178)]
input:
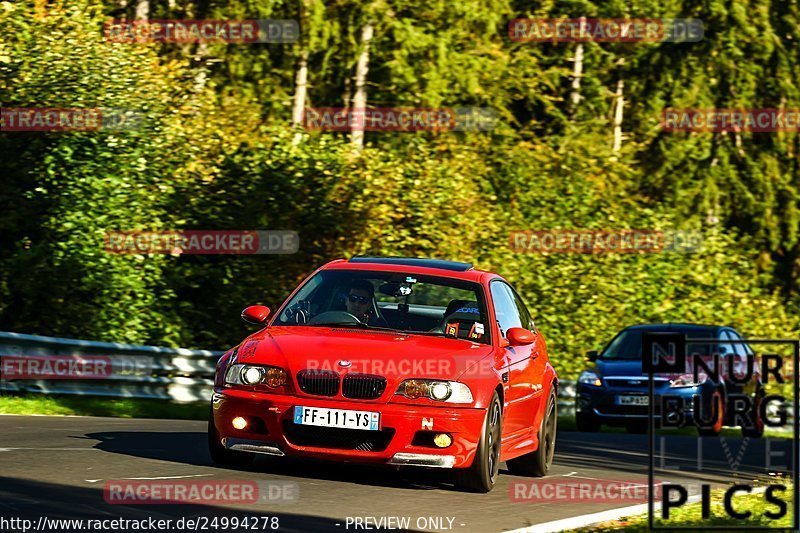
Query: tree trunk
[(201, 66), (577, 73), (142, 10), (360, 96), (346, 94), (619, 104), (300, 88)]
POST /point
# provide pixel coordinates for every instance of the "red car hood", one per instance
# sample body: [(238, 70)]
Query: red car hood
[(396, 356)]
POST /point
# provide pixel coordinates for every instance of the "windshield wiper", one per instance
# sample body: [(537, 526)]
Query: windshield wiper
[(352, 325), (378, 328)]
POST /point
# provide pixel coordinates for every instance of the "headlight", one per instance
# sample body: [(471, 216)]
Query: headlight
[(252, 375), (687, 380), (590, 378), (442, 391)]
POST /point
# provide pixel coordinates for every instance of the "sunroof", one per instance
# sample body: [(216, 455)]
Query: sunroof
[(414, 261)]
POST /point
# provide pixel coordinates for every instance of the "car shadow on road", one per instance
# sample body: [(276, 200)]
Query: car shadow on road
[(25, 499), (191, 447)]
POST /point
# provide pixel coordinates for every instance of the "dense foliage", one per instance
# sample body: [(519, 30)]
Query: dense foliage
[(216, 150)]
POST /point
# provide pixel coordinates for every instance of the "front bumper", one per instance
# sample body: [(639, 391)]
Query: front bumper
[(600, 403), (271, 430)]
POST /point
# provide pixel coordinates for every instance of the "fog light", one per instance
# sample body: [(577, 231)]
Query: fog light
[(442, 440), (239, 422)]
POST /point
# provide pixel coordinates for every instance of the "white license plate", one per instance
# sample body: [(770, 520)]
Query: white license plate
[(337, 418), (632, 400)]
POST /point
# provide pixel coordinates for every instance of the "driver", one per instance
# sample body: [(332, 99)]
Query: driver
[(360, 303)]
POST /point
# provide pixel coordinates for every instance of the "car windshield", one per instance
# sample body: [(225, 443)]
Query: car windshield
[(395, 301), (628, 344)]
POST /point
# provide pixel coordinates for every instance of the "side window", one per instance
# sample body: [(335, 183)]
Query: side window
[(725, 347), (741, 349), (527, 320), (508, 316), (740, 365)]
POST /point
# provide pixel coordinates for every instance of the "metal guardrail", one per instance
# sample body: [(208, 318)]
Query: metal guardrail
[(174, 374), (566, 397)]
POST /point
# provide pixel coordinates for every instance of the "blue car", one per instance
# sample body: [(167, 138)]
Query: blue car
[(615, 391)]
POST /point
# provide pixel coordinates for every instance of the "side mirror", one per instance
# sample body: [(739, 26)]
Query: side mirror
[(591, 355), (519, 336), (256, 314)]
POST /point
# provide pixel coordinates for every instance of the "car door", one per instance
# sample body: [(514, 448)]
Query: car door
[(518, 388), (534, 375)]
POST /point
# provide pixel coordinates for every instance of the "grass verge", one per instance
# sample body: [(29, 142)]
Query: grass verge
[(40, 404), (690, 516)]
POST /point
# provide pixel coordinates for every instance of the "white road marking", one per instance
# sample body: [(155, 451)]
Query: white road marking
[(572, 474), (575, 522), (170, 477), (152, 478), (567, 524)]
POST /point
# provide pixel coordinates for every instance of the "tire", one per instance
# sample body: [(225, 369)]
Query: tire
[(587, 422), (482, 474), (222, 456), (758, 430), (538, 463), (716, 429)]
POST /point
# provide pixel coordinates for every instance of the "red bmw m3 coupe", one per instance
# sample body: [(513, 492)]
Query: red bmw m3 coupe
[(389, 360)]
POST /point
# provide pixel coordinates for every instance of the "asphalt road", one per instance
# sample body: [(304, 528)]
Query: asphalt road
[(58, 467)]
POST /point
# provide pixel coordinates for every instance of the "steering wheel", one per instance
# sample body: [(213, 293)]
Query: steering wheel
[(300, 316), (337, 317)]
